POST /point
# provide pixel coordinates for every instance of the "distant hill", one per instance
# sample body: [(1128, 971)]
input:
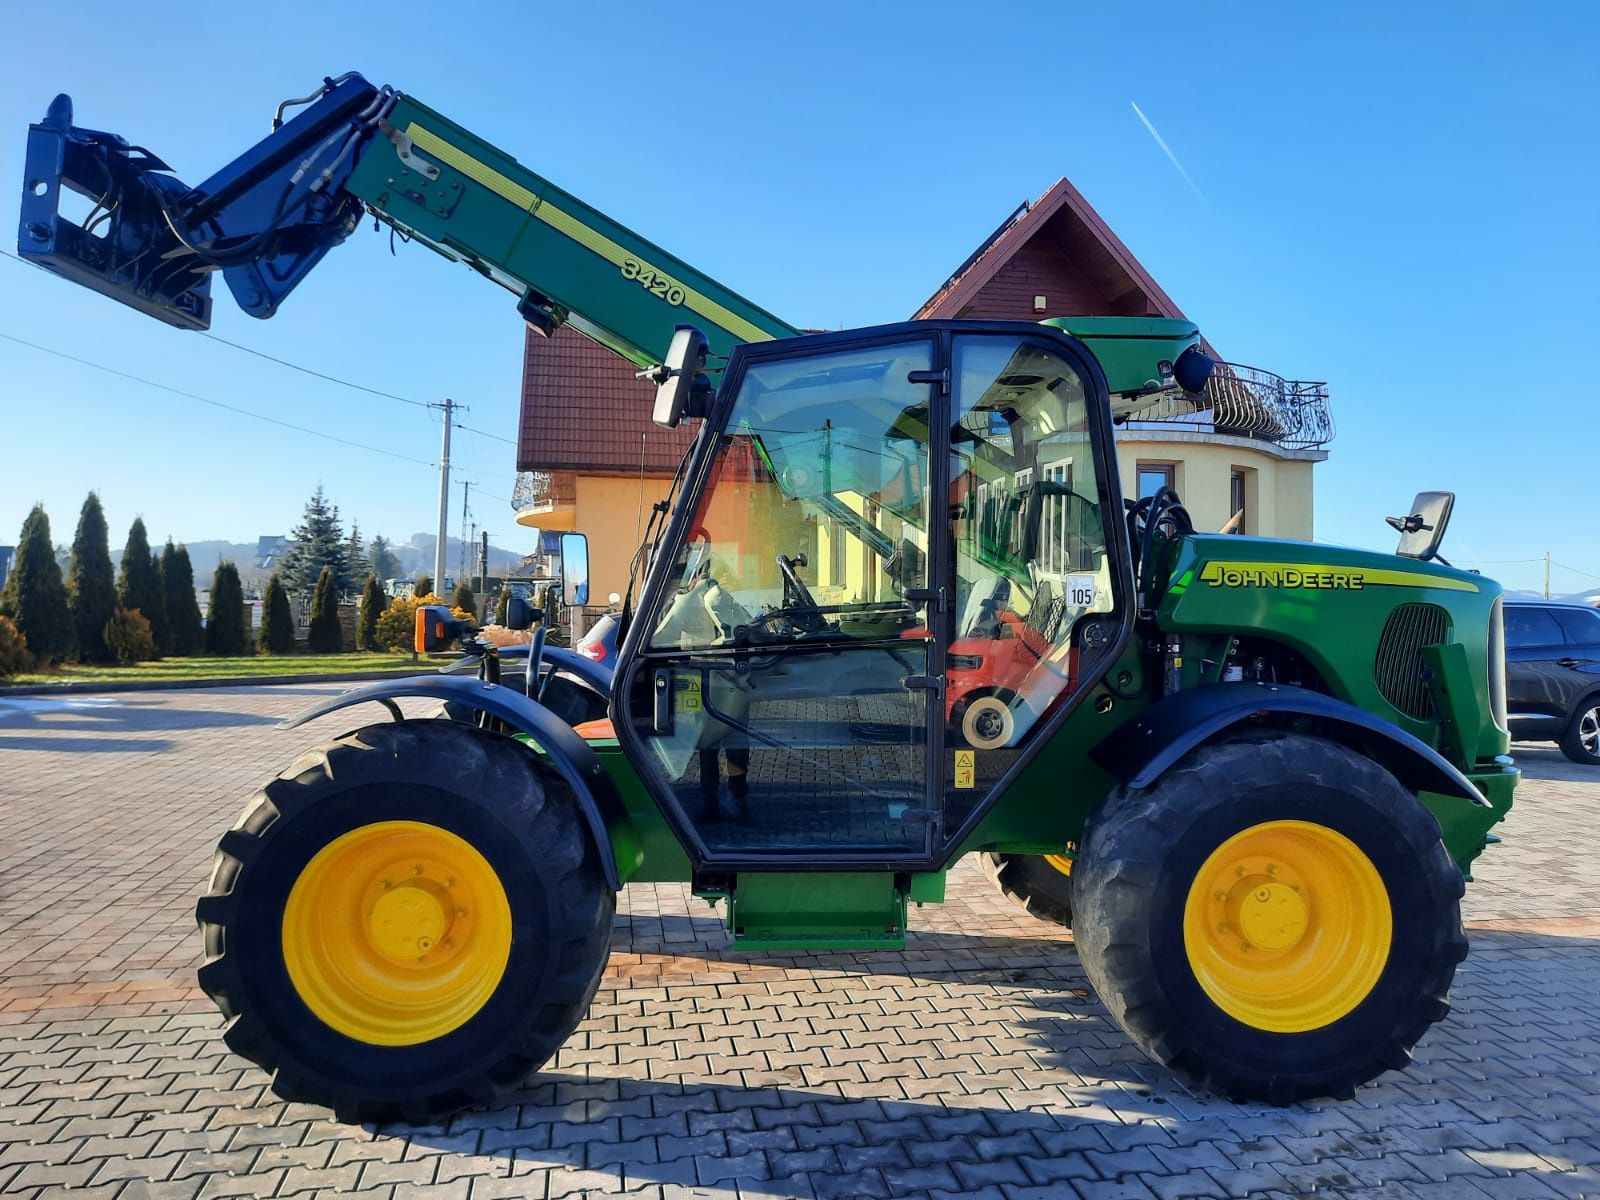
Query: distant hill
[(415, 555)]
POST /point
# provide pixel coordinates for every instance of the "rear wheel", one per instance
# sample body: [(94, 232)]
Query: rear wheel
[(1581, 741), (1040, 883), (408, 921), (1276, 918)]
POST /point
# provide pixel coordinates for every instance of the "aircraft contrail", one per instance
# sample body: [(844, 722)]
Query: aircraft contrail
[(1167, 150)]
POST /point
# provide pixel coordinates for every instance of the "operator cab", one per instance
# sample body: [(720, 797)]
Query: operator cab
[(895, 563)]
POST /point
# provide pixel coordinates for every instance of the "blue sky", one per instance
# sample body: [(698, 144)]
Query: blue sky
[(1400, 199)]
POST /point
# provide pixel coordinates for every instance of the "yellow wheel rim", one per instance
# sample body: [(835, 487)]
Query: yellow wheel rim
[(1060, 862), (1287, 926), (396, 933)]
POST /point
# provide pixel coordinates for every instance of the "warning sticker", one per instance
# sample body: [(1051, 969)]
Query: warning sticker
[(966, 768), (688, 693)]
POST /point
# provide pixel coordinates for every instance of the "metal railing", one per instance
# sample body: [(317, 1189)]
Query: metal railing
[(543, 489), (1249, 402)]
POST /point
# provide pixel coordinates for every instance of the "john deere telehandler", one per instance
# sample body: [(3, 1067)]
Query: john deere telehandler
[(1251, 773)]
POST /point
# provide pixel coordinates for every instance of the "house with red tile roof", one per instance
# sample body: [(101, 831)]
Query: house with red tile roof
[(1241, 456)]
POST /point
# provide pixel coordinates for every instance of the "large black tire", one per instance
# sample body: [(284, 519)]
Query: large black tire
[(485, 789), (1030, 880), (1580, 741), (1143, 851)]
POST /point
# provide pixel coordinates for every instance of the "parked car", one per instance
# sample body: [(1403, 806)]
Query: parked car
[(1553, 675)]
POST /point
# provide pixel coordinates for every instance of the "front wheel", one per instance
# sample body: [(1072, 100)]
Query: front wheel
[(1276, 918), (1581, 741), (408, 921), (1039, 883)]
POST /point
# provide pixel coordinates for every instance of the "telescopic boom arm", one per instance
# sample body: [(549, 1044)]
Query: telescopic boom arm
[(267, 218)]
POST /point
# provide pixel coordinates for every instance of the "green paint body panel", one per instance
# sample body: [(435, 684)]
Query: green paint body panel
[(484, 209), (810, 910)]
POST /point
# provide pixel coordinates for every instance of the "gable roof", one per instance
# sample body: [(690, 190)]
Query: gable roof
[(1077, 249)]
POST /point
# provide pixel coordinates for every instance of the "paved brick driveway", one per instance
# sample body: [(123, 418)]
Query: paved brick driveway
[(975, 1063)]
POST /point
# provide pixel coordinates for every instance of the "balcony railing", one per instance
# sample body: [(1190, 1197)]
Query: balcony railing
[(1249, 402), (543, 489)]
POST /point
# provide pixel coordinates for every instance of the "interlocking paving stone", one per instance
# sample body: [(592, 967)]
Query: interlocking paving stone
[(974, 1063)]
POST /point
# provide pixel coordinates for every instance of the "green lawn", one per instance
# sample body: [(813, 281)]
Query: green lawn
[(224, 668)]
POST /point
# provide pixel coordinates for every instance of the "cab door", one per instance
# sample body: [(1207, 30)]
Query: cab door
[(784, 685)]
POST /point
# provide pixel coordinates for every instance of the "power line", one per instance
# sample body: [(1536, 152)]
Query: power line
[(485, 433), (283, 362), (243, 412)]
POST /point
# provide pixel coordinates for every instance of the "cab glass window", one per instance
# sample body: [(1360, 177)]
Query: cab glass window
[(812, 524)]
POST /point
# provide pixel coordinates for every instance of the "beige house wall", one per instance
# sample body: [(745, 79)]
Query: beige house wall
[(611, 509), (1278, 487), (610, 513)]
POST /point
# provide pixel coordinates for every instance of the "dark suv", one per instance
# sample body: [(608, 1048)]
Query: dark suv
[(1553, 675)]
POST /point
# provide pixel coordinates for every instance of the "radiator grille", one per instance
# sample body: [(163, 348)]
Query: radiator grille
[(1398, 669)]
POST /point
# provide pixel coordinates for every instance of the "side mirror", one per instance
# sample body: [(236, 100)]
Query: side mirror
[(575, 568), (519, 613), (436, 628), (681, 384), (1422, 530)]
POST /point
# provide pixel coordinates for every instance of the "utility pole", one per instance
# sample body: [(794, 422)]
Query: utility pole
[(449, 407), (466, 538), (483, 561), (1547, 574)]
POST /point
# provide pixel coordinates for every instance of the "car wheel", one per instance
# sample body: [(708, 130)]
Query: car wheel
[(1581, 741)]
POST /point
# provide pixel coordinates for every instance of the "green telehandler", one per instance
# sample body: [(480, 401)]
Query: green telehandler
[(1252, 774)]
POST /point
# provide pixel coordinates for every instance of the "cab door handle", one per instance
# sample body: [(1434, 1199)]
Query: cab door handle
[(1568, 663)]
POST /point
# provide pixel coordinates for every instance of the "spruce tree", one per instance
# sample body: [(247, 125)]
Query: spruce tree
[(277, 620), (226, 630), (318, 542), (502, 607), (91, 585), (355, 558), (139, 583), (325, 636), (384, 564), (465, 600), (184, 635), (35, 598), (423, 586), (372, 605)]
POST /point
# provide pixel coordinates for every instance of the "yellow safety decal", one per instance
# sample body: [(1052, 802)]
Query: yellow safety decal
[(631, 266), (688, 694), (1316, 576), (966, 769)]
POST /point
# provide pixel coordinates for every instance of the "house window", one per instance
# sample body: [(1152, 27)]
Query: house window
[(1236, 502), (1153, 477)]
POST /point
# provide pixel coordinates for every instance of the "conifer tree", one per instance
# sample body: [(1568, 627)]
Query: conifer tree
[(325, 636), (184, 635), (465, 600), (384, 564), (372, 605), (277, 620), (91, 585), (226, 630), (502, 606), (139, 583), (318, 541), (423, 585), (35, 598), (355, 557)]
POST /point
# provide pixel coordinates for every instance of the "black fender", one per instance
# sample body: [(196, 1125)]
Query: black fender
[(593, 674), (1141, 750), (567, 753)]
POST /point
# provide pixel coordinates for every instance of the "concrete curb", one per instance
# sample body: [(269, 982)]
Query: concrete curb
[(71, 686)]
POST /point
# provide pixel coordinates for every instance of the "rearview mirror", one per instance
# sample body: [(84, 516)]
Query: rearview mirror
[(1422, 530), (575, 568), (681, 384)]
